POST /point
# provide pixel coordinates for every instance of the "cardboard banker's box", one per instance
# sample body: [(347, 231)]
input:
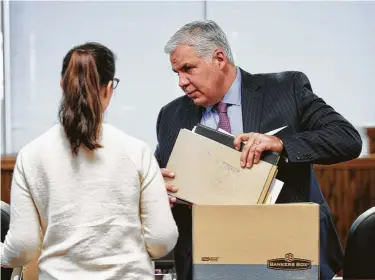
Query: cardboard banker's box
[(257, 242)]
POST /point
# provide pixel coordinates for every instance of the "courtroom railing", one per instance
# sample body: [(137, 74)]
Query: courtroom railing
[(349, 189), (7, 165), (371, 140)]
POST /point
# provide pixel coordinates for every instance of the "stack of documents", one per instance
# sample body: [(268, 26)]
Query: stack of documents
[(208, 171)]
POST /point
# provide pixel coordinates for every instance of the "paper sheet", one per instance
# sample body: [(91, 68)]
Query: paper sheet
[(272, 132), (274, 191)]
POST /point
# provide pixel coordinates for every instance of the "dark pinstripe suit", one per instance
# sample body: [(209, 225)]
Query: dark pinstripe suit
[(316, 134)]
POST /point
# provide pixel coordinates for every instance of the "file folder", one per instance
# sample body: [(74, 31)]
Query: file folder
[(227, 140), (208, 172)]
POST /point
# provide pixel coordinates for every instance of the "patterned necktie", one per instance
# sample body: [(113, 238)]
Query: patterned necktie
[(224, 123)]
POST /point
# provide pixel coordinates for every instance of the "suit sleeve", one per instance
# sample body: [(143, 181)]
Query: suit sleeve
[(325, 136), (157, 150)]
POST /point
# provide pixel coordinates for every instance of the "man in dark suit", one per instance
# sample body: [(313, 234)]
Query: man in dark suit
[(219, 94)]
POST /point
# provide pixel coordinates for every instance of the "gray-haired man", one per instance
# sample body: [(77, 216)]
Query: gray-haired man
[(254, 104)]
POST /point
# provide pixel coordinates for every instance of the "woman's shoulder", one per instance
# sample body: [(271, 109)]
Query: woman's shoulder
[(117, 142), (113, 135), (31, 154), (44, 140)]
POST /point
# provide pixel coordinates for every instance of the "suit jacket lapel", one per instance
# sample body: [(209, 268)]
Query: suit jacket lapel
[(192, 116), (251, 102)]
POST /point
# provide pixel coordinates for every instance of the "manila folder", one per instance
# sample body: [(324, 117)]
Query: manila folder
[(207, 172)]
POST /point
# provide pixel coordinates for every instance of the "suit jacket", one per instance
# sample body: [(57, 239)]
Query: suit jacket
[(316, 134)]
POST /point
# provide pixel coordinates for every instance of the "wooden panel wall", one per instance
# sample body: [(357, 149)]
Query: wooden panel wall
[(7, 165), (371, 140), (349, 189)]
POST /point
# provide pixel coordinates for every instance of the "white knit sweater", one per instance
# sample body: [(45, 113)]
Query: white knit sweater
[(101, 214)]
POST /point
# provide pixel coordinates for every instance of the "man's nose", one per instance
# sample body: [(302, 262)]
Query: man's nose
[(182, 81)]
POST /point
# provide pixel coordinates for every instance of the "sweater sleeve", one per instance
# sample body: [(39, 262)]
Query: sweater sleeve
[(159, 227), (23, 238)]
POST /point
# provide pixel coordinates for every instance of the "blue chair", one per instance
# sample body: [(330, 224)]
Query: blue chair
[(359, 260)]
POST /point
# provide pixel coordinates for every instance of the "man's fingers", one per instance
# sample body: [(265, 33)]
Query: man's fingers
[(246, 149), (237, 142), (250, 157), (167, 173), (259, 149), (244, 154), (241, 138), (256, 144), (172, 201), (171, 188)]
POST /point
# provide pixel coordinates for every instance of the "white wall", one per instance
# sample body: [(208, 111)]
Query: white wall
[(42, 32), (2, 124), (332, 42), (1, 82)]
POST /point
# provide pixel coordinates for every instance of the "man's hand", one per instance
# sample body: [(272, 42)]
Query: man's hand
[(256, 144), (170, 188)]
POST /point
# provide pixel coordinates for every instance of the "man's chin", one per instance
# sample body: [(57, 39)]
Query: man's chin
[(200, 102)]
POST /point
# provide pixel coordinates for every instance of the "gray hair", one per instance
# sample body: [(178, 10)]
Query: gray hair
[(204, 36)]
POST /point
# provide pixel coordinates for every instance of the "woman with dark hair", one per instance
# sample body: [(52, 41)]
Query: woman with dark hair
[(94, 194)]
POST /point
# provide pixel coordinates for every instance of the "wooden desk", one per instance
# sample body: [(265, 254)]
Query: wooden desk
[(371, 139), (7, 165), (349, 189)]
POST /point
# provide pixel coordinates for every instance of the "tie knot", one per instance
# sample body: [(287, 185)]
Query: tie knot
[(221, 107)]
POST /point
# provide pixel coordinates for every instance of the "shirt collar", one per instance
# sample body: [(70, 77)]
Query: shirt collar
[(233, 96)]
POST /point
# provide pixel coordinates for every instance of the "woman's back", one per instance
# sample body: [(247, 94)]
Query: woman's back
[(89, 205), (97, 195)]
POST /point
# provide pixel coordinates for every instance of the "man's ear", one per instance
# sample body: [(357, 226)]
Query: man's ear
[(61, 83), (220, 57)]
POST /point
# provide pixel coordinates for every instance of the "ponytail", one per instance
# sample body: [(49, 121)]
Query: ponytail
[(81, 110)]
